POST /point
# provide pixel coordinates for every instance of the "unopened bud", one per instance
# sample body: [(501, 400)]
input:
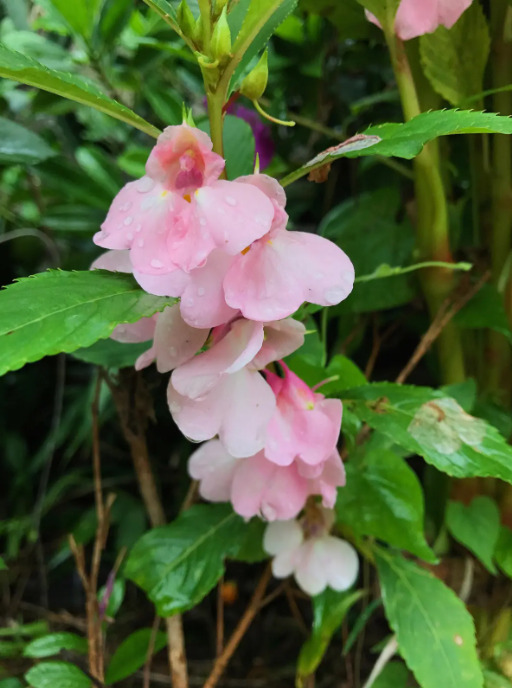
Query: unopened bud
[(255, 83), (186, 21), (221, 37), (219, 6)]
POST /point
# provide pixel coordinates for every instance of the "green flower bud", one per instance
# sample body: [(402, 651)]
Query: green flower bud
[(255, 83), (187, 22), (221, 37), (219, 5)]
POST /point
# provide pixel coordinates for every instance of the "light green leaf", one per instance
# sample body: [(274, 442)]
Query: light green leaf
[(427, 422), (79, 15), (435, 632), (238, 147), (495, 680), (407, 140), (394, 675), (455, 59), (503, 551), (177, 565), (476, 526), (131, 655), (52, 644), (53, 674), (14, 65), (59, 311), (164, 9), (383, 498), (329, 608), (111, 354), (20, 145)]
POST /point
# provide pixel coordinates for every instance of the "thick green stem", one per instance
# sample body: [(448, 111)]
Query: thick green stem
[(432, 227), (205, 8), (216, 103), (498, 350)]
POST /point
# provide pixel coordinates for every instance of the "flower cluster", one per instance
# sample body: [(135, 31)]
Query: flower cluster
[(224, 249)]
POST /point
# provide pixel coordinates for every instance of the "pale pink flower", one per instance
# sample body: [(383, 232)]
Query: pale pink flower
[(305, 424), (179, 212), (316, 559), (418, 17), (220, 391), (258, 487), (280, 271)]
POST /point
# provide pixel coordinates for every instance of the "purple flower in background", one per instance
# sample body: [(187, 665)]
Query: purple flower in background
[(262, 133)]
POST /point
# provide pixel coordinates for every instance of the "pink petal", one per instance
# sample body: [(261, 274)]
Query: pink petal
[(145, 359), (282, 338), (415, 18), (262, 488), (282, 536), (238, 409), (140, 207), (140, 331), (115, 261), (279, 273), (233, 214), (202, 301), (239, 346), (171, 283), (175, 341), (340, 562), (275, 192), (325, 479), (214, 468)]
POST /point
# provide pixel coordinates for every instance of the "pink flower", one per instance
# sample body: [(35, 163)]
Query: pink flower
[(177, 214), (417, 17), (316, 559), (305, 424), (220, 391), (258, 487), (283, 269)]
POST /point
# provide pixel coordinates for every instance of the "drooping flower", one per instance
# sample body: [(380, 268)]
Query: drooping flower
[(305, 550), (418, 17), (180, 211), (305, 424), (280, 271), (220, 391)]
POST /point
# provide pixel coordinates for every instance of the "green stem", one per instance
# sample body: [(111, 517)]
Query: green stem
[(499, 353), (216, 102), (432, 228), (205, 8)]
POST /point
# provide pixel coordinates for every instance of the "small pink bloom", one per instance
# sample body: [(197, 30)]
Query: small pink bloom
[(416, 18), (175, 342), (324, 479), (316, 559), (305, 425), (178, 213)]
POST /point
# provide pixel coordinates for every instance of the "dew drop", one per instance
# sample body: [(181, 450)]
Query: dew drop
[(202, 221), (128, 220), (190, 302), (144, 185), (230, 200), (138, 228), (140, 243), (172, 350), (129, 236), (335, 295), (156, 263), (201, 291), (174, 407), (125, 207)]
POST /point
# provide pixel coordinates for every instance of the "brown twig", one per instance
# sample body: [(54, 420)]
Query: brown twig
[(149, 655), (134, 408), (294, 608), (220, 619), (448, 310), (252, 609)]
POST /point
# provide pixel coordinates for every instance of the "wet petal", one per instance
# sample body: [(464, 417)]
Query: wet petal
[(214, 468), (175, 341)]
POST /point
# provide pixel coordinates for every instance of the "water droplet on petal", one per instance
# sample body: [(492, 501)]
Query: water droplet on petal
[(230, 200), (335, 295), (138, 228), (201, 291), (172, 350), (125, 207), (128, 220), (156, 263), (190, 302), (140, 243), (268, 512), (129, 236), (144, 185), (174, 407), (202, 221)]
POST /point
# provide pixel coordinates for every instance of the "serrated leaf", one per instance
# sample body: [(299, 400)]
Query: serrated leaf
[(59, 311), (435, 632), (53, 674), (383, 498), (503, 550), (476, 526), (329, 610), (407, 140), (20, 145), (427, 422), (52, 644), (14, 65), (131, 655), (455, 59), (177, 565)]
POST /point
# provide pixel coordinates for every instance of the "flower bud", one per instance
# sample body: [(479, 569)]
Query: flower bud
[(219, 5), (187, 21), (255, 83), (221, 37)]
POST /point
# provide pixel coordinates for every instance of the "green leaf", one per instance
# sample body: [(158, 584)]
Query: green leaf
[(53, 643), (20, 145), (239, 147), (427, 422), (131, 655), (330, 609), (382, 9), (503, 551), (53, 674), (407, 140), (79, 15), (260, 22), (486, 310), (14, 65), (495, 680), (455, 59), (394, 675), (435, 632), (11, 683), (164, 9), (383, 498), (386, 240), (111, 354), (177, 565), (251, 548), (347, 17), (3, 565), (476, 526), (59, 311)]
